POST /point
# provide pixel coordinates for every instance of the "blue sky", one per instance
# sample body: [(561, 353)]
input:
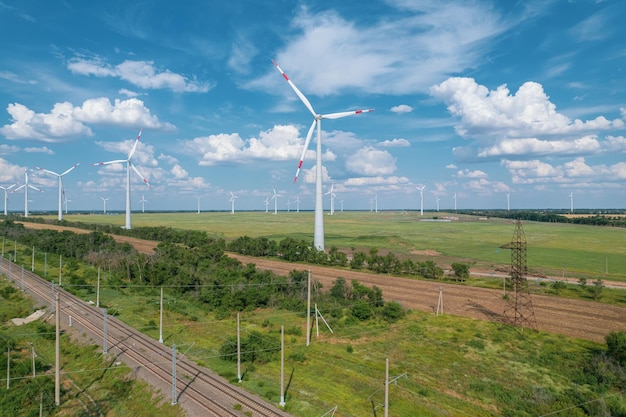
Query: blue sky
[(481, 99)]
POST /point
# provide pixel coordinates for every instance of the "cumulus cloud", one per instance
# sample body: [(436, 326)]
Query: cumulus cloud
[(280, 143), (66, 121), (394, 143), (370, 161), (576, 170), (466, 173), (402, 108), (142, 74), (532, 146), (43, 149), (10, 173), (378, 180)]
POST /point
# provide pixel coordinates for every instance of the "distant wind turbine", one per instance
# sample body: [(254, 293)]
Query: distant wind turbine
[(318, 237), (571, 203), (60, 177), (26, 186), (297, 204), (143, 202), (129, 166), (6, 196), (267, 204), (104, 202), (508, 202), (65, 201), (275, 198), (198, 197), (232, 202), (341, 202), (454, 201), (332, 199), (437, 199), (421, 190), (376, 203)]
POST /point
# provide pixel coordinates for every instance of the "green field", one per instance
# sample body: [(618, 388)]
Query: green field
[(553, 248)]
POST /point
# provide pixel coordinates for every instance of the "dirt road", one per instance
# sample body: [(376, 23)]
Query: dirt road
[(575, 318)]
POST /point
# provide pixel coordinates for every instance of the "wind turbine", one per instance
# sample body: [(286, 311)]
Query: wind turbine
[(6, 196), (297, 204), (129, 166), (571, 203), (421, 189), (376, 203), (143, 202), (198, 197), (267, 204), (275, 198), (454, 201), (26, 186), (104, 201), (508, 202), (341, 201), (60, 176), (332, 199), (232, 202), (65, 201), (318, 237), (437, 199)]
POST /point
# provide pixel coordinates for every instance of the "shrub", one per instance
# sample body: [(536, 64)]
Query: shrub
[(616, 346), (362, 310)]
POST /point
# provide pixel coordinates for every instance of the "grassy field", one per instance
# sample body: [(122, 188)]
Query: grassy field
[(553, 248)]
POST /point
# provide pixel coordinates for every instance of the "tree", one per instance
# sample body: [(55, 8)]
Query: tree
[(461, 271), (362, 310), (616, 346)]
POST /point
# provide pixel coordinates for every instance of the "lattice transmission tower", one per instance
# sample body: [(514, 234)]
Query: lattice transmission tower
[(519, 308)]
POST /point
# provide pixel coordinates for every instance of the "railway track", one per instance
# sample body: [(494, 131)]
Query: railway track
[(198, 390)]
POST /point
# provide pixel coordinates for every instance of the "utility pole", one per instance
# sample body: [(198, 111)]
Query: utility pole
[(386, 387), (440, 302), (57, 365), (173, 374), (282, 366), (161, 318), (60, 270), (105, 348), (32, 354), (98, 290), (8, 365), (32, 266), (308, 311), (238, 349)]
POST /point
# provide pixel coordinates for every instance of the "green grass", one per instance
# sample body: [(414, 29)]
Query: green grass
[(454, 366), (553, 248)]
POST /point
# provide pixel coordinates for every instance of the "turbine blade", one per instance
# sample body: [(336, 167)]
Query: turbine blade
[(45, 170), (306, 146), (117, 161), (298, 92), (18, 188), (68, 170), (139, 173), (345, 114), (132, 151)]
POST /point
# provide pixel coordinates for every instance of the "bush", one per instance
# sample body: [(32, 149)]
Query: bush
[(362, 310), (616, 346), (392, 311)]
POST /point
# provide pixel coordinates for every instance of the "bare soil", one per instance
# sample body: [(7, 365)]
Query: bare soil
[(575, 318)]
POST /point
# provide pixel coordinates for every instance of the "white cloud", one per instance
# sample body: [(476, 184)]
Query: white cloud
[(451, 166), (8, 149), (43, 149), (66, 122), (128, 93), (179, 172), (280, 143), (423, 44), (466, 173), (487, 115), (402, 108), (371, 162), (10, 173), (532, 146), (394, 143), (308, 175), (574, 171), (142, 74), (376, 181)]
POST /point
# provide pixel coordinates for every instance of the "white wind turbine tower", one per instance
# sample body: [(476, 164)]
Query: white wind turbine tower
[(6, 196), (275, 198), (60, 176), (104, 202), (129, 166), (65, 201), (437, 199), (297, 201), (232, 202), (341, 202), (508, 202), (454, 201), (571, 203), (421, 189), (26, 186), (376, 203), (332, 199), (267, 204), (198, 197), (143, 202), (318, 238)]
